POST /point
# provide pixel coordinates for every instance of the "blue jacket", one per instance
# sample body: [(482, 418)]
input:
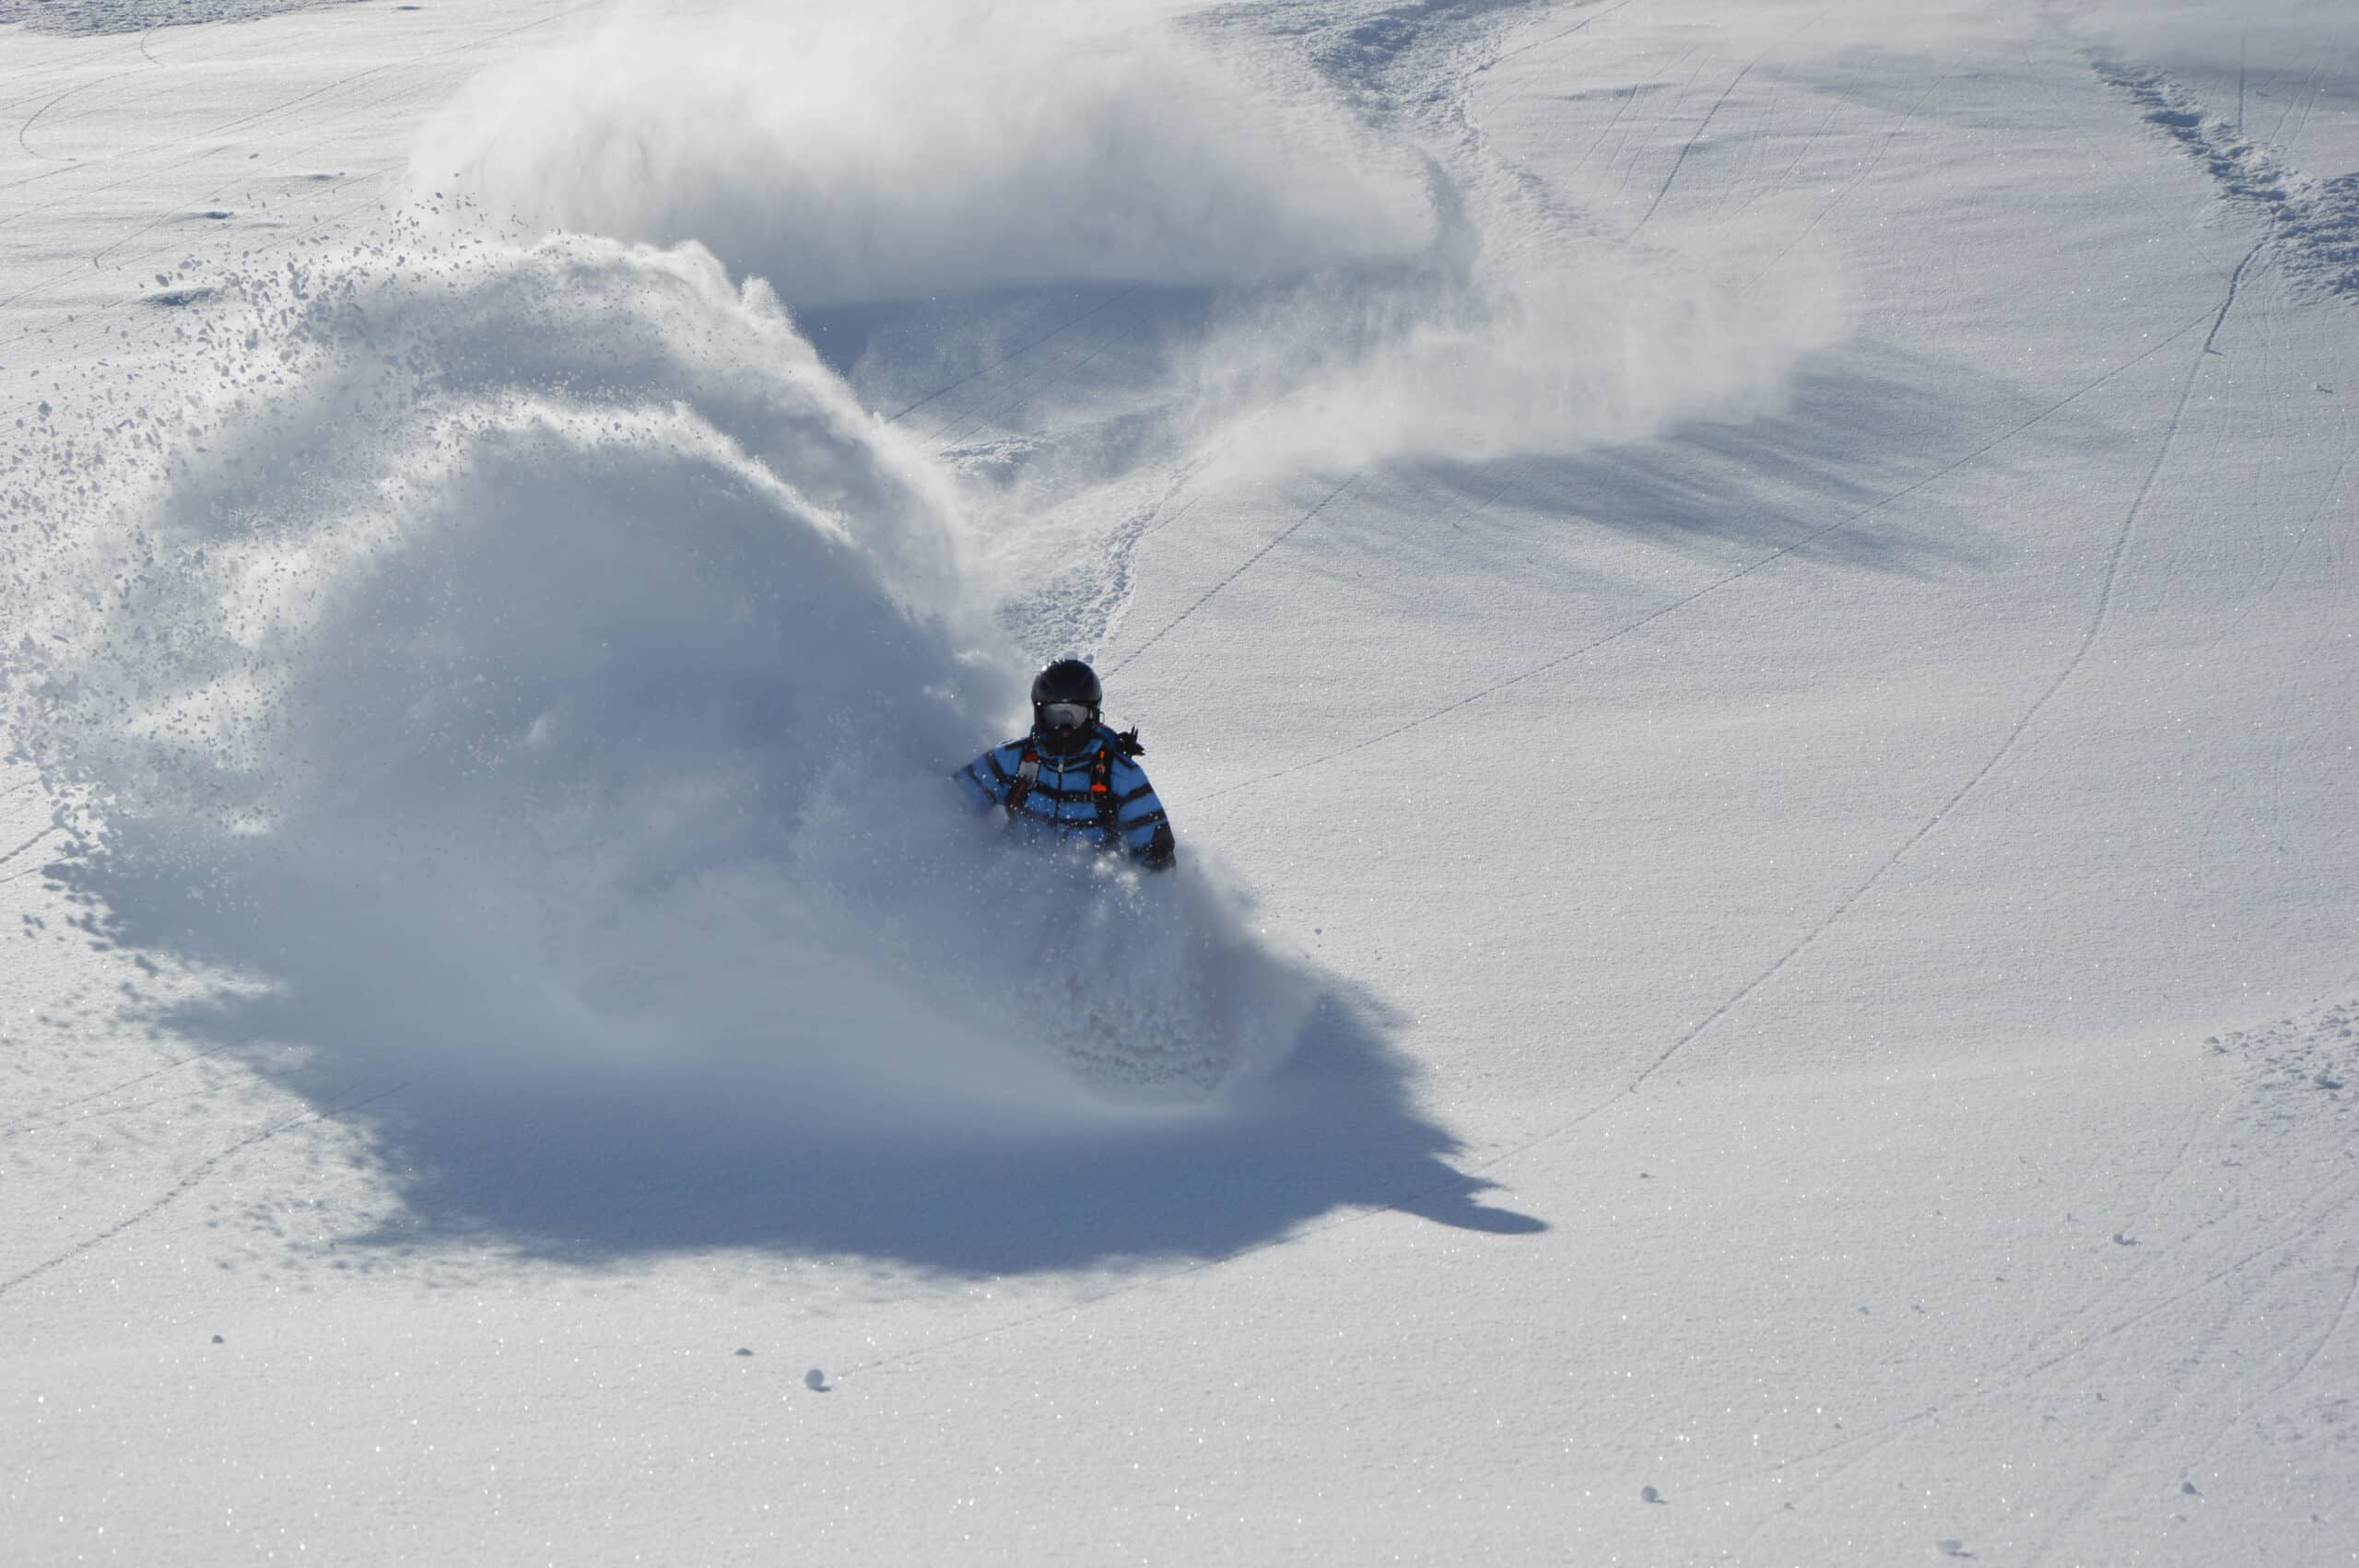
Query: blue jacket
[(1061, 800)]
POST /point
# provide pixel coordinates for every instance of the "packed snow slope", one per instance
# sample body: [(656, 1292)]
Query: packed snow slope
[(1744, 612)]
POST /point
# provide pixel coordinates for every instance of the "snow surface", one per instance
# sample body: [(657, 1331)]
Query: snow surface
[(1745, 612)]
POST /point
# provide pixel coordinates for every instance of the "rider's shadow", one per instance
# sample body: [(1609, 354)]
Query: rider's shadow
[(597, 1173)]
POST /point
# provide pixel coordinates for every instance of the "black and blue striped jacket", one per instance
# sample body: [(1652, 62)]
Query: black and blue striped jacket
[(1062, 802)]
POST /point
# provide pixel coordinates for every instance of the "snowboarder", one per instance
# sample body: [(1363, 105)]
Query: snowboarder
[(1073, 777)]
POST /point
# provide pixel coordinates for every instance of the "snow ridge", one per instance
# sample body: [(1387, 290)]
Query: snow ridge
[(2315, 222), (139, 16)]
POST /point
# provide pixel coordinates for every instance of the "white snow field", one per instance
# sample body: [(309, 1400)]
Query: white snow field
[(1748, 613)]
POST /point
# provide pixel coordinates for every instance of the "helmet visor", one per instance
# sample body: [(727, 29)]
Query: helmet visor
[(1066, 715)]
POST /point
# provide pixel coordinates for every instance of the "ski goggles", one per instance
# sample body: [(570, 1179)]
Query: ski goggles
[(1066, 715)]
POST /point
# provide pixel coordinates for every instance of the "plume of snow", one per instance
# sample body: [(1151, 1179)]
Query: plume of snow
[(896, 150), (532, 668)]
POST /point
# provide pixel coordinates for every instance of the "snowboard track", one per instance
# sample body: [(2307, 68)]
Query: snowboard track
[(2216, 317), (2006, 747)]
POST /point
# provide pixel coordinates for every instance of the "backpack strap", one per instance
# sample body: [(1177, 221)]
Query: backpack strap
[(1101, 794), (1027, 773)]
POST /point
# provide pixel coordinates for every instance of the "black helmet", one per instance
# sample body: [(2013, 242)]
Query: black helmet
[(1066, 698)]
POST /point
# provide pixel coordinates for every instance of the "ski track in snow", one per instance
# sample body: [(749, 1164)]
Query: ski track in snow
[(1555, 38), (1705, 124), (2007, 745), (1908, 118), (45, 1117), (2301, 1068), (11, 854), (2300, 1054), (195, 1177), (1246, 566), (2327, 1216), (143, 171), (1010, 357), (1851, 1452)]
